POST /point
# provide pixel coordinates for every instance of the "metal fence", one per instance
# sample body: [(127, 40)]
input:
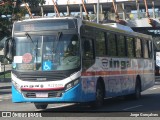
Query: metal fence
[(134, 16)]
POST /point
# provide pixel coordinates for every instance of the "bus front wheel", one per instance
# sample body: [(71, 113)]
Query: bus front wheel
[(99, 96), (40, 105)]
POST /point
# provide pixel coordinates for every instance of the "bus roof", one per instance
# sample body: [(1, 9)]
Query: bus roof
[(119, 26), (116, 29)]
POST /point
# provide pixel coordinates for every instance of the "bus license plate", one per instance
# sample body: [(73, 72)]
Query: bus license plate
[(41, 95)]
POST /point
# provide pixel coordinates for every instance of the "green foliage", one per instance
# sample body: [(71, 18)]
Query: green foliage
[(5, 25), (6, 75), (6, 8), (10, 12)]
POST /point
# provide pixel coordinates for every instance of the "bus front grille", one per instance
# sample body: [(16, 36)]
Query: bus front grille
[(49, 94), (30, 95)]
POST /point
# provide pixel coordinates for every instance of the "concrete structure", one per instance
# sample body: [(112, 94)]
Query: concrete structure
[(131, 11), (90, 5)]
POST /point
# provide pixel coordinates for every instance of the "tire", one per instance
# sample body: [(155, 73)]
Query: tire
[(40, 105), (99, 96), (137, 94)]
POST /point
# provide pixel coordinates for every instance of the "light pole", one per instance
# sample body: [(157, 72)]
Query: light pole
[(41, 5), (97, 11)]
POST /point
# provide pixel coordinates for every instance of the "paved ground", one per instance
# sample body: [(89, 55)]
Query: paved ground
[(148, 97), (157, 78)]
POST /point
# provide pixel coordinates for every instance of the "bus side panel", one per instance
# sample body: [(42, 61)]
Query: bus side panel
[(119, 79), (147, 76), (114, 87), (88, 88), (127, 84), (148, 81), (16, 96), (119, 85)]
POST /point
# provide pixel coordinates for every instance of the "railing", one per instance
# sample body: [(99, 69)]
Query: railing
[(133, 16)]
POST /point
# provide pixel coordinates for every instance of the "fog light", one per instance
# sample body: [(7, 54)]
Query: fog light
[(69, 86), (76, 82)]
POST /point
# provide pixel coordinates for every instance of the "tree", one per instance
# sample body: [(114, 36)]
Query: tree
[(5, 11), (34, 3), (11, 10)]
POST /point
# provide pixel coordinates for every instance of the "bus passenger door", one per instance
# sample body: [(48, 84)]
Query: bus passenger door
[(88, 60)]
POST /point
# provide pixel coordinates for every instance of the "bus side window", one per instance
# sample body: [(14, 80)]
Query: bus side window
[(121, 44), (111, 44), (138, 48), (145, 49), (100, 43), (130, 47)]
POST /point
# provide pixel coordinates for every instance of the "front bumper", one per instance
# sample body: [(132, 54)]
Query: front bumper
[(72, 95)]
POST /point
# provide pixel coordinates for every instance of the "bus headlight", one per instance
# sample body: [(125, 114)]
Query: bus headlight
[(16, 85), (71, 84)]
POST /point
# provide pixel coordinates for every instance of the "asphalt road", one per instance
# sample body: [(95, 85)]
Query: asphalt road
[(147, 106)]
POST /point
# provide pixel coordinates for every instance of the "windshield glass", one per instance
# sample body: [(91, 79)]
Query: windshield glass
[(47, 53)]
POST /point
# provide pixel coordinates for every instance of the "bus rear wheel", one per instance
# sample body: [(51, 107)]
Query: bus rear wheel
[(137, 93), (41, 105)]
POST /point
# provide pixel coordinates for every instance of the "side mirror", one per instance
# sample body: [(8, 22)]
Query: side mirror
[(8, 49)]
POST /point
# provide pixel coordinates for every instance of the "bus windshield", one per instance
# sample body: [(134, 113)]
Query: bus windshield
[(47, 53)]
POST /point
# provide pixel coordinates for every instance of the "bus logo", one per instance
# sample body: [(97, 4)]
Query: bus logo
[(105, 63)]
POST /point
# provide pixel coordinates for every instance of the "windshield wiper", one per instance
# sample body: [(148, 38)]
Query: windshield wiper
[(28, 36), (35, 46), (59, 35)]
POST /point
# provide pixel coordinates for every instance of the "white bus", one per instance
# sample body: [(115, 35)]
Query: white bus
[(68, 60)]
